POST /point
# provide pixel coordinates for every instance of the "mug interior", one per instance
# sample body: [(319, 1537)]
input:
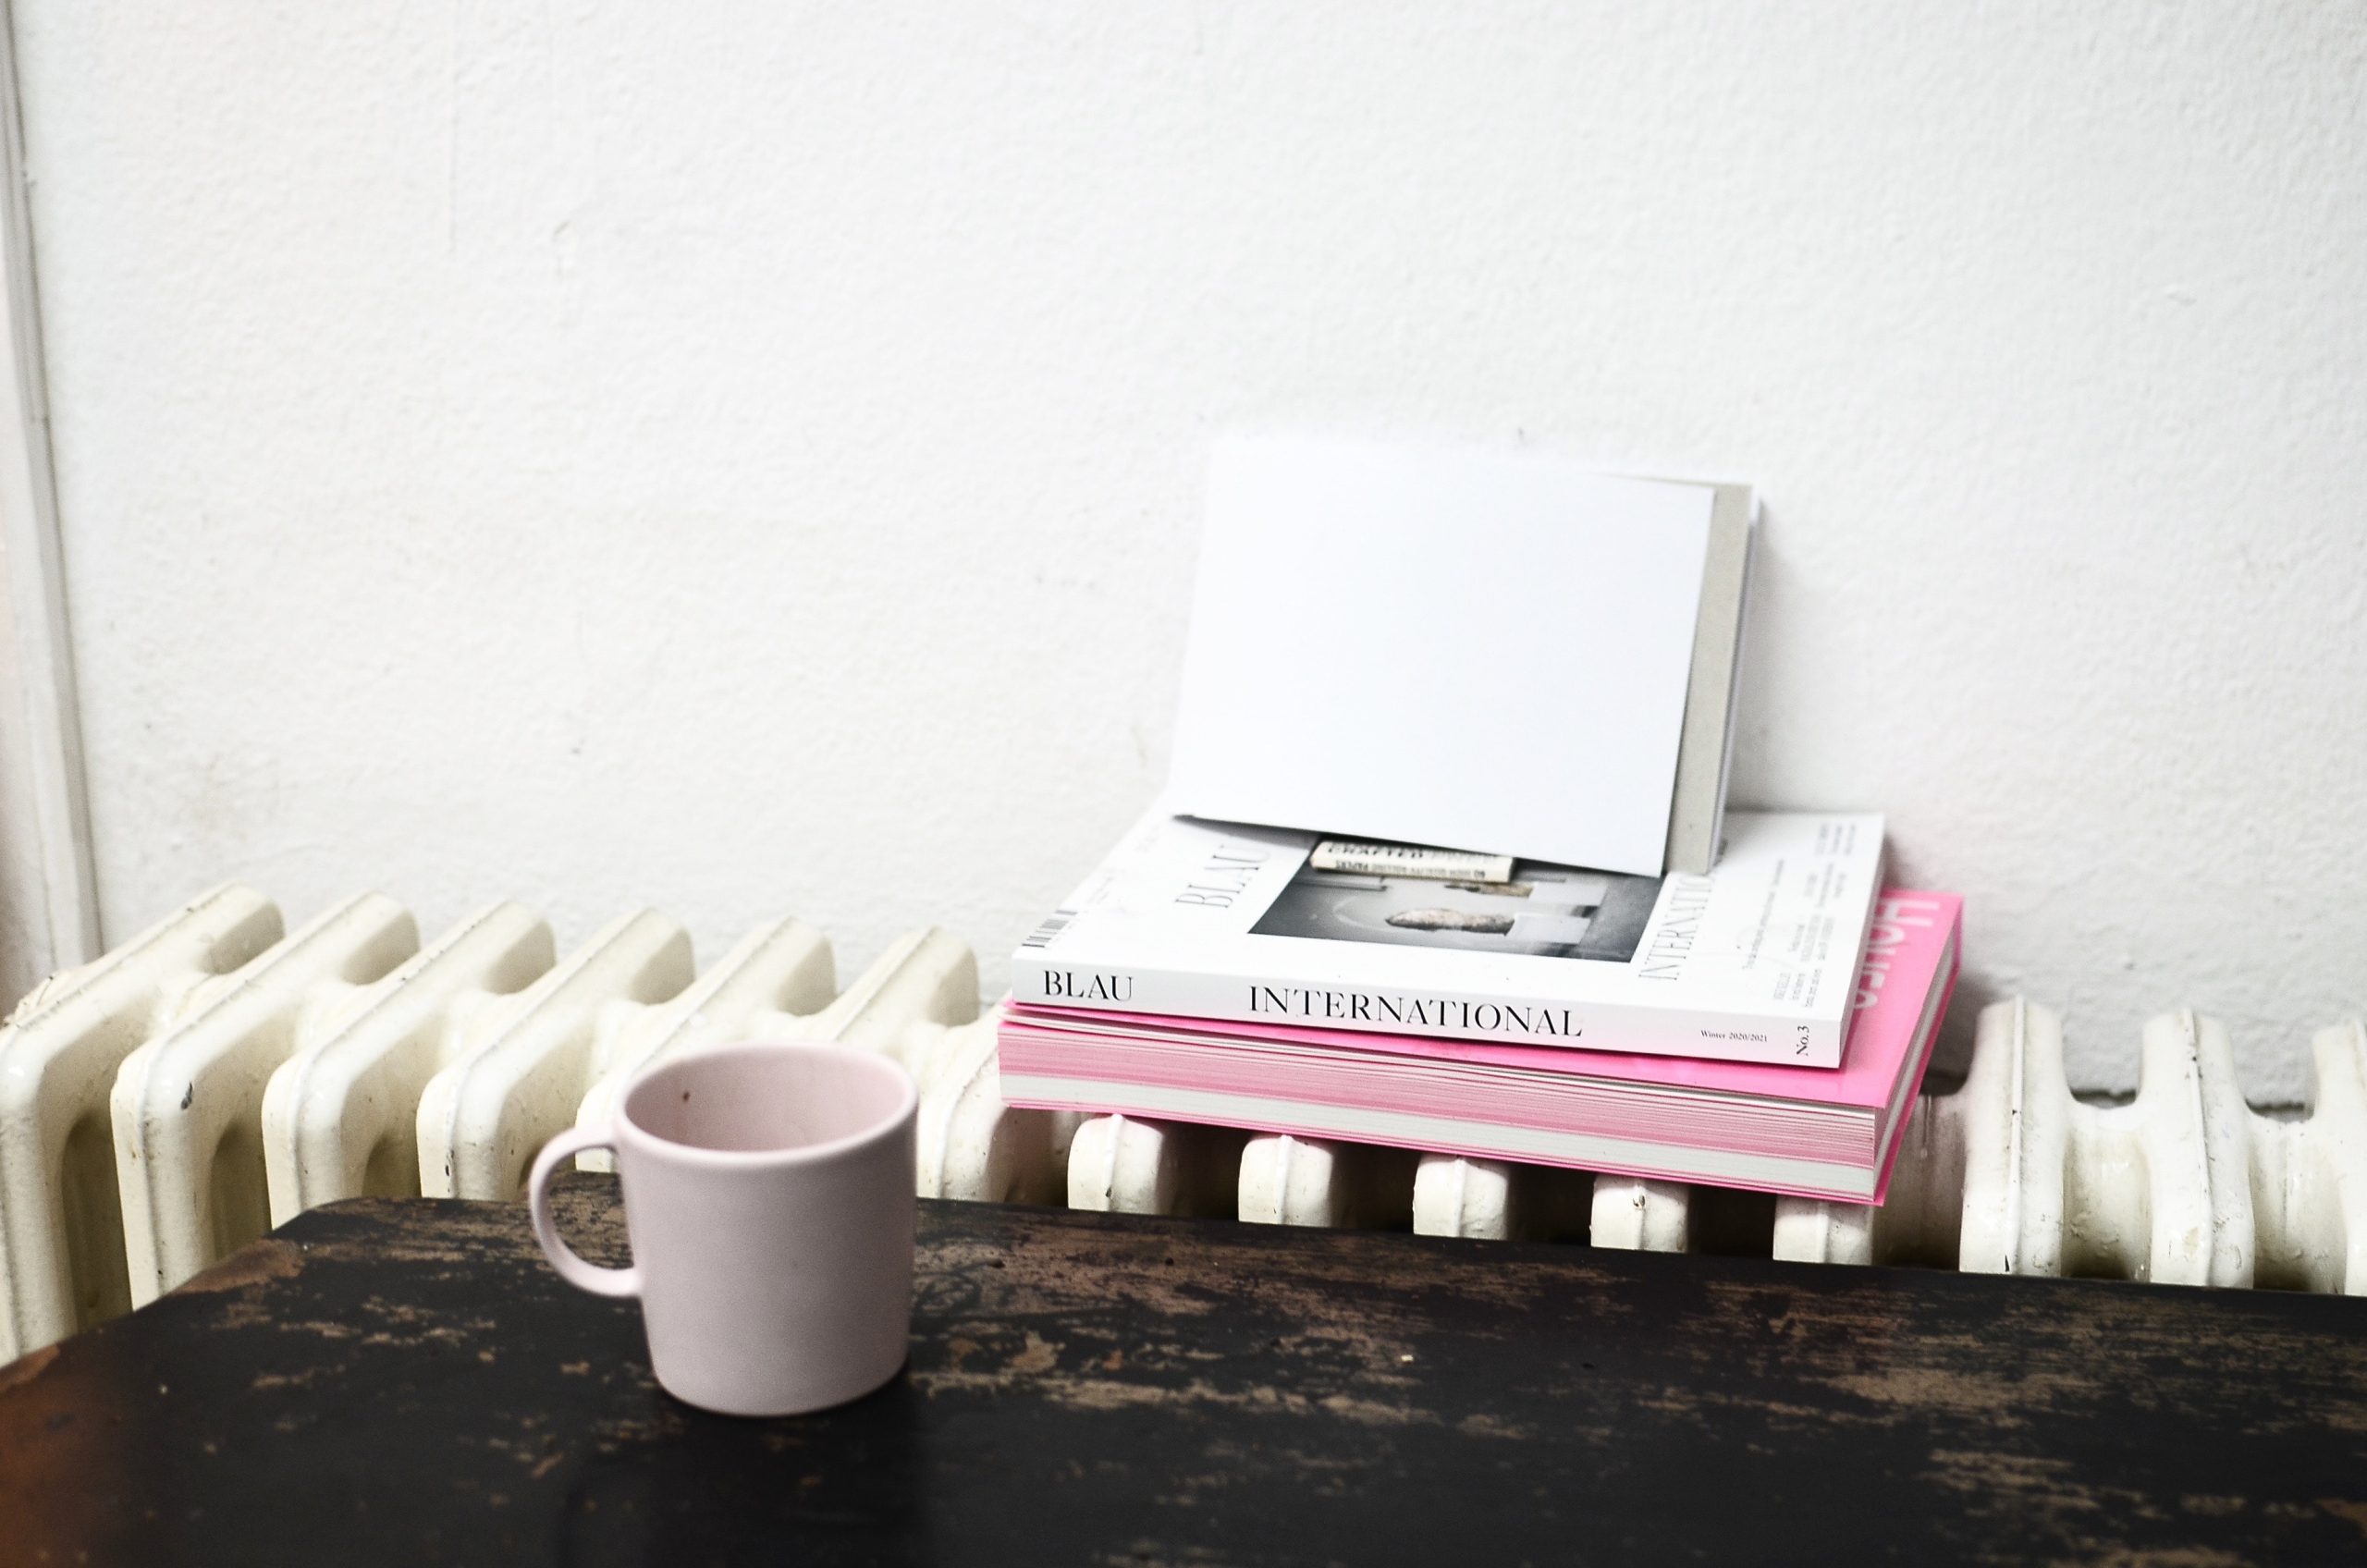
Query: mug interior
[(769, 1098)]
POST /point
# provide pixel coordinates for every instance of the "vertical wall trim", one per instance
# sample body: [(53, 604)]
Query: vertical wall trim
[(52, 728)]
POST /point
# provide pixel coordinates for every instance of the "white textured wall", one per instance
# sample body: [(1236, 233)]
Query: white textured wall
[(746, 458)]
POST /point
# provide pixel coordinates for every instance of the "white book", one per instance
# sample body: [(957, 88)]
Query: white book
[(1705, 755), (1401, 642), (1754, 961)]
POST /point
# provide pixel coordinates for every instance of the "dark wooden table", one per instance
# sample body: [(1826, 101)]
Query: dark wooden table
[(407, 1382)]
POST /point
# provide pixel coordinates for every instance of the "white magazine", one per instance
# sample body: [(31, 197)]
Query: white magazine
[(1754, 961)]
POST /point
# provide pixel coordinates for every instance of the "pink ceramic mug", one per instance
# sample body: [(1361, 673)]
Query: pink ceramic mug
[(769, 1195)]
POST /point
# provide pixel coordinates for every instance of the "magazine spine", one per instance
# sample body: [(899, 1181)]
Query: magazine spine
[(1041, 981)]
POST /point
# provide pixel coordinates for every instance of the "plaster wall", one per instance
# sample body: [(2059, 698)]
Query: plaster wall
[(745, 458)]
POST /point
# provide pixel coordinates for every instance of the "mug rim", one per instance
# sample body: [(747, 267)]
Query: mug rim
[(907, 1107)]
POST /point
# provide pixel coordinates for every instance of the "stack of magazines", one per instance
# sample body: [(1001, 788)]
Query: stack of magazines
[(1633, 980), (1765, 1025)]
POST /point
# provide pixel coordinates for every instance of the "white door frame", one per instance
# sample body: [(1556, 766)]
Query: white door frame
[(49, 911)]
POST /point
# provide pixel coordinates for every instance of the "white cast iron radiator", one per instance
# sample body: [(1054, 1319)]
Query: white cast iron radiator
[(213, 1077)]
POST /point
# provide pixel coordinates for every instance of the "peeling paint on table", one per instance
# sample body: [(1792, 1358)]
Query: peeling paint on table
[(404, 1381)]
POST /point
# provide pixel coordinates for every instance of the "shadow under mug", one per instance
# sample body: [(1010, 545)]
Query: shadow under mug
[(768, 1197)]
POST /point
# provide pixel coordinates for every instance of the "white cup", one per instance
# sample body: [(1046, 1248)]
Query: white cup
[(768, 1196)]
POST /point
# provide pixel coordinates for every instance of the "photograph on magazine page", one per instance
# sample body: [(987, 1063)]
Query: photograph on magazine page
[(1544, 911)]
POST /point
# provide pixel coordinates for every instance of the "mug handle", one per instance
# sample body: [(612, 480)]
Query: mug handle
[(574, 1271)]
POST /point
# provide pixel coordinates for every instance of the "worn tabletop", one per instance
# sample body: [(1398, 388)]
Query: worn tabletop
[(405, 1382)]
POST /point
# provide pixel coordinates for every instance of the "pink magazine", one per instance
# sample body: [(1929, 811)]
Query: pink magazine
[(1819, 1132)]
